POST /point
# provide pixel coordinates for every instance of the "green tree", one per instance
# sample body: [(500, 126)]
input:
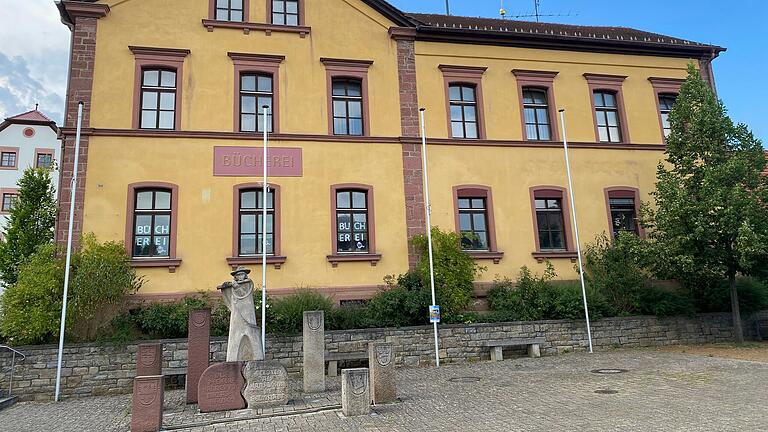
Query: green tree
[(711, 220), (30, 224)]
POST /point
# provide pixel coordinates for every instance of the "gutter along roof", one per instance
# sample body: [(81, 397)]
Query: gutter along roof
[(526, 34)]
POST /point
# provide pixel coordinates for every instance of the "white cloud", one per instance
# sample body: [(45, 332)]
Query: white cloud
[(33, 57)]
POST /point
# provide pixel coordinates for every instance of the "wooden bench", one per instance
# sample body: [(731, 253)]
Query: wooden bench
[(334, 358), (497, 346), (762, 328)]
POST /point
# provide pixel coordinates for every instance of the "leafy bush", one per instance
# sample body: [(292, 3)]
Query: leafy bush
[(665, 302), (455, 270), (405, 303), (613, 270), (166, 320), (753, 296), (30, 310), (101, 277), (288, 312)]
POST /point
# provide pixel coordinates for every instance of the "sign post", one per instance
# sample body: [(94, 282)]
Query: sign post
[(72, 196), (576, 228), (434, 309)]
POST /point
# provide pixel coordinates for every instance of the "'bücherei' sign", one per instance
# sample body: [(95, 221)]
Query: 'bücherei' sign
[(247, 162)]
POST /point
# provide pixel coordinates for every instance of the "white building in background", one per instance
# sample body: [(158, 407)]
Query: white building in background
[(26, 140)]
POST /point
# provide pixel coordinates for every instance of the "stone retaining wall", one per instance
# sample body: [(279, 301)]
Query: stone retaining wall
[(97, 369)]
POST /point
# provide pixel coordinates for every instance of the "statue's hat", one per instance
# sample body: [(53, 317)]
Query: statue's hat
[(241, 269)]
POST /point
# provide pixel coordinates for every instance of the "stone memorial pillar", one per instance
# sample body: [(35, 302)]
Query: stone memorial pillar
[(198, 349), (149, 360), (147, 413), (355, 392), (314, 352), (381, 361), (266, 384)]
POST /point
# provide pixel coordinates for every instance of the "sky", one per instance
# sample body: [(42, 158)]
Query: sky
[(34, 44)]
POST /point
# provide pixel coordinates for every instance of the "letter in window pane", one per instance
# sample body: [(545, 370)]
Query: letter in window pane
[(143, 225), (358, 200), (343, 200), (292, 20), (149, 100), (278, 18), (162, 225), (141, 246), (468, 93), (166, 120), (355, 126), (469, 113), (151, 78), (360, 223), (248, 244), (471, 129), (344, 242), (168, 79), (454, 93), (340, 126), (149, 119), (292, 7), (344, 222), (162, 200), (144, 200), (167, 101), (457, 129), (465, 222), (161, 246), (248, 83)]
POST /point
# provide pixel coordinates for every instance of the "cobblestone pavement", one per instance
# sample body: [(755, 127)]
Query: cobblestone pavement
[(659, 392)]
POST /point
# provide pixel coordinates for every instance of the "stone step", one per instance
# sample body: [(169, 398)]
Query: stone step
[(7, 402)]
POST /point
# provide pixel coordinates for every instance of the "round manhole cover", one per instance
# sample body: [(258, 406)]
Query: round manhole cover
[(606, 391), (609, 371), (465, 379)]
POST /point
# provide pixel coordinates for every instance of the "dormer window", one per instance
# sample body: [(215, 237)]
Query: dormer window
[(285, 12)]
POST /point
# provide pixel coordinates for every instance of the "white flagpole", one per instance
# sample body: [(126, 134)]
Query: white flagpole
[(72, 196), (428, 211), (576, 228), (265, 191)]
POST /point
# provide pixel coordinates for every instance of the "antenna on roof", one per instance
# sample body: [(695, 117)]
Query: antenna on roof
[(502, 11), (537, 13), (36, 105), (447, 8)]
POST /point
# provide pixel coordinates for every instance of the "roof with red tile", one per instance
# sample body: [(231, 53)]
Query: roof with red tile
[(33, 117)]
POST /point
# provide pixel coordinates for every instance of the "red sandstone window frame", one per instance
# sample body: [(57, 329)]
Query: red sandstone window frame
[(371, 256), (623, 192), (349, 69), (15, 151), (212, 11), (556, 192), (172, 261), (301, 15), (3, 193), (276, 258), (485, 192), (612, 84), (161, 58), (467, 75), (45, 151), (538, 80), (257, 63), (664, 86)]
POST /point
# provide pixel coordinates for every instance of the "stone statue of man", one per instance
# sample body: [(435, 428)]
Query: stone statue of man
[(244, 343)]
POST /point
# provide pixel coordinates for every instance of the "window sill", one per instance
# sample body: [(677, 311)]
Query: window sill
[(496, 256), (277, 261), (303, 31), (545, 255), (157, 263), (336, 259)]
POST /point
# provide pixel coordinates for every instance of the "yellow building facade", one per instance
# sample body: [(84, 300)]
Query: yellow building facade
[(172, 133)]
